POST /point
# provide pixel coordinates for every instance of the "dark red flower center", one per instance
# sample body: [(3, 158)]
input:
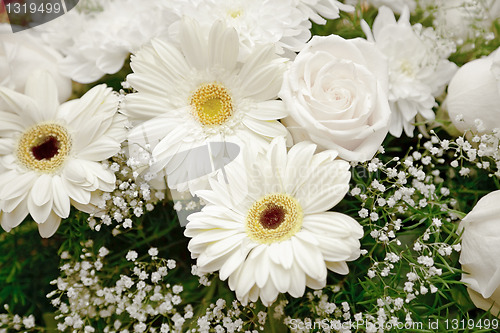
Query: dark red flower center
[(47, 149), (272, 216)]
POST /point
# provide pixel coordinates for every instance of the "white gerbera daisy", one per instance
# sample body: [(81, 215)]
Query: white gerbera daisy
[(201, 93), (258, 22), (50, 153), (275, 235)]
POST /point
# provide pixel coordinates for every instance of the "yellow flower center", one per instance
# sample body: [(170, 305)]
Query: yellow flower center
[(44, 147), (211, 104), (274, 218), (235, 13)]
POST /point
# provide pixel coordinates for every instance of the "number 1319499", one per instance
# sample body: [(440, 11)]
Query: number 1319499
[(456, 324), (18, 8)]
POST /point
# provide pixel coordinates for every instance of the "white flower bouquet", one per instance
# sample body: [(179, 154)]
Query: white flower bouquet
[(250, 166)]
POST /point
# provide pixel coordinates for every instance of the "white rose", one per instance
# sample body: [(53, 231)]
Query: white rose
[(480, 256), (21, 54), (474, 93), (336, 91)]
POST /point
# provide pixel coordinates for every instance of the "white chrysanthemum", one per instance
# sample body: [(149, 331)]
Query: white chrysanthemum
[(318, 10), (50, 153), (201, 93), (275, 235), (396, 5), (418, 67), (96, 38), (23, 53), (258, 22)]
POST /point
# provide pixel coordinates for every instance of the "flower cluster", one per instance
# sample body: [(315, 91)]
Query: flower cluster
[(134, 195), (14, 322), (129, 302)]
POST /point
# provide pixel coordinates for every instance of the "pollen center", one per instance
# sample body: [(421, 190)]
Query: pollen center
[(274, 218), (44, 147), (211, 104), (235, 13)]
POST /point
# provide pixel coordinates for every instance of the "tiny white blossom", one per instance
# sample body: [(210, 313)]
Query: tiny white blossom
[(131, 255)]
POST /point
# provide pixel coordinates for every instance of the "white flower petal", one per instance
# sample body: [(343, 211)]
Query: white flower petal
[(309, 259), (271, 128), (100, 149), (339, 267), (62, 203), (76, 192), (22, 105), (14, 218), (269, 110), (49, 227), (297, 281), (40, 213), (268, 293), (315, 284), (223, 46), (193, 44), (10, 205), (43, 89), (262, 269), (41, 192), (16, 186), (232, 263), (281, 277)]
